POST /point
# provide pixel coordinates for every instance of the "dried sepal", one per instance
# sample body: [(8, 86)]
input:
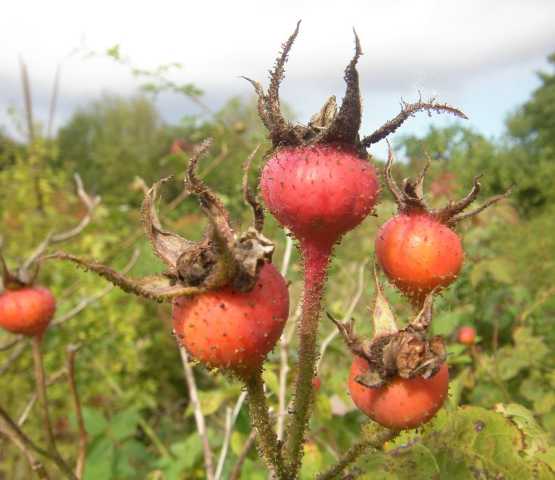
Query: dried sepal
[(168, 246), (157, 287), (9, 280), (345, 125), (408, 110), (393, 353), (251, 251), (250, 197), (410, 198)]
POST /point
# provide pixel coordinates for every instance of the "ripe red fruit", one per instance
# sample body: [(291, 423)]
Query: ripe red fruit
[(27, 311), (319, 191), (418, 253), (402, 403), (467, 335), (234, 330)]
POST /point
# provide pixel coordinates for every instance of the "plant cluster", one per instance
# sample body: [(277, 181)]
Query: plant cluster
[(230, 304)]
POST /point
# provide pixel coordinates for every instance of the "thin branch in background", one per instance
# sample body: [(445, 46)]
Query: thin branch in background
[(14, 355), (231, 418), (43, 403), (27, 98), (53, 101), (31, 403), (80, 464), (90, 204), (24, 443), (347, 316), (199, 417), (236, 472)]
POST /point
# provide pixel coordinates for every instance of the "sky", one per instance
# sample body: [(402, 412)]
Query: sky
[(481, 56)]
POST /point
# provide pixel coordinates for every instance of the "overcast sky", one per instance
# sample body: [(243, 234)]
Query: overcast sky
[(478, 55)]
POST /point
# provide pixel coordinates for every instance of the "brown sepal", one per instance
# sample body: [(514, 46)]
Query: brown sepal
[(410, 198)]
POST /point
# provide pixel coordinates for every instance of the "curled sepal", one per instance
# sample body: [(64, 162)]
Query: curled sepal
[(410, 198), (168, 246), (9, 280), (383, 318), (161, 288)]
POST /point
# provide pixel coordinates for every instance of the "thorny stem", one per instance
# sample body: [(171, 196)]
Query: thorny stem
[(43, 403), (199, 417), (316, 260), (377, 441), (265, 436)]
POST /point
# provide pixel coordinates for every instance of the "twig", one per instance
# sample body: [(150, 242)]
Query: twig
[(43, 402), (356, 451), (27, 410), (24, 443), (236, 472), (230, 419), (199, 417), (283, 349), (347, 316), (80, 464), (90, 204)]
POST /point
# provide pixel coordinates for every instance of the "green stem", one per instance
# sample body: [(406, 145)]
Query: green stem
[(316, 260), (266, 438), (377, 442)]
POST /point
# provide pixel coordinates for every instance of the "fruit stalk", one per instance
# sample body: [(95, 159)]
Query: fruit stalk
[(266, 438), (316, 259)]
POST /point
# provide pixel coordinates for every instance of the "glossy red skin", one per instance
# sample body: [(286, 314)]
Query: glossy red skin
[(234, 330), (418, 253), (401, 404), (319, 192), (27, 311), (467, 335)]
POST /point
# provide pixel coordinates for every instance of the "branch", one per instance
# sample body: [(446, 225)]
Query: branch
[(90, 204), (377, 442), (43, 402), (231, 418), (80, 465), (24, 443), (199, 417), (236, 472)]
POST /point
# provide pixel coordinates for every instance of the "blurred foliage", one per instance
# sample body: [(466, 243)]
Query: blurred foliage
[(129, 372)]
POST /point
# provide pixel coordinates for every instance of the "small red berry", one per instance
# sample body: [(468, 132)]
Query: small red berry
[(467, 335), (418, 253), (234, 330), (27, 311), (401, 403)]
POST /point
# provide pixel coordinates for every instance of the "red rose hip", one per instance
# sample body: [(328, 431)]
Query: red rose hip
[(27, 311)]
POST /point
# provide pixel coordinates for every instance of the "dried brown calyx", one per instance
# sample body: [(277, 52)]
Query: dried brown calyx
[(26, 273), (331, 124), (410, 197), (394, 352), (220, 258)]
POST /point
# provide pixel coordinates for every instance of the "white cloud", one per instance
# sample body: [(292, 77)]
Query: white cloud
[(434, 45)]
